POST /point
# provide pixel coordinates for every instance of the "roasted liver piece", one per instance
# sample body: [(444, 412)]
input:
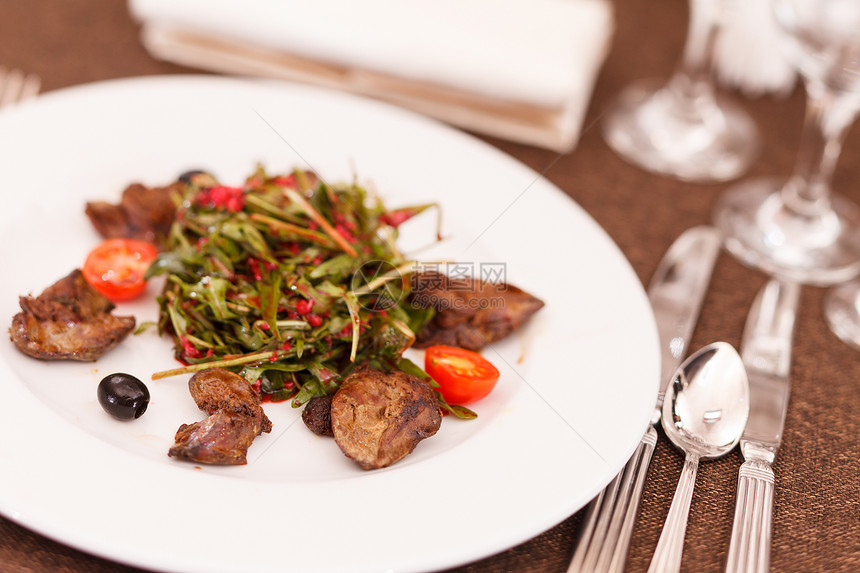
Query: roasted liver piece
[(69, 321), (221, 439), (217, 389), (144, 213), (317, 415), (470, 313), (379, 417), (235, 419)]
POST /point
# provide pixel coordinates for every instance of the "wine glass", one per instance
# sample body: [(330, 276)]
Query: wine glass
[(683, 128), (798, 229), (842, 312)]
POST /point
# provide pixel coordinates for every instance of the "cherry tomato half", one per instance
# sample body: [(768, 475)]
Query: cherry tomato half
[(117, 266), (463, 376)]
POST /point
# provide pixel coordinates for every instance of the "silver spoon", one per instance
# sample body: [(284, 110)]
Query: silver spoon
[(704, 414)]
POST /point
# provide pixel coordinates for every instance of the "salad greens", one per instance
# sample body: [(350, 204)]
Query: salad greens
[(288, 281)]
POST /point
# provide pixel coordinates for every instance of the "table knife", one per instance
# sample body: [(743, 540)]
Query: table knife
[(676, 292), (766, 352)]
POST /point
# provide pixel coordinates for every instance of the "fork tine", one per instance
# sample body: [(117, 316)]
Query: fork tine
[(3, 73), (17, 86), (12, 87), (31, 87)]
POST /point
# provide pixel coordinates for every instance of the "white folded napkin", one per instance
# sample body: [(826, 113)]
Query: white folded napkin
[(517, 69)]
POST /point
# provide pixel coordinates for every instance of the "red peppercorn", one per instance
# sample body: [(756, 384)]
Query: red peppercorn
[(304, 307), (288, 181), (188, 349), (254, 265)]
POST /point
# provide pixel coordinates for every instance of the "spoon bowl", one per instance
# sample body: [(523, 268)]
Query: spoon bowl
[(705, 411), (706, 407)]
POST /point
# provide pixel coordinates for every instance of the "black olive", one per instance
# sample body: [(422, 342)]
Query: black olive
[(188, 176), (123, 396)]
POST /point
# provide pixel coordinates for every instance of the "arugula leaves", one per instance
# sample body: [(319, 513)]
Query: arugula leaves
[(289, 281)]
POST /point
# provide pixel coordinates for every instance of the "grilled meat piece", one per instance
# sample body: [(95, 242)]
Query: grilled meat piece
[(70, 320), (379, 417), (143, 213), (235, 419), (470, 313), (217, 389), (221, 439), (317, 415)]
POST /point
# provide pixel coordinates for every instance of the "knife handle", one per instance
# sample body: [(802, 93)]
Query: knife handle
[(608, 525), (749, 548)]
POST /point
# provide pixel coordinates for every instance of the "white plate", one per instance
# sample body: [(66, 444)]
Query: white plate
[(576, 390)]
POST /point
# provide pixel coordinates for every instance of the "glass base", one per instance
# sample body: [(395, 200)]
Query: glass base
[(763, 233), (842, 312), (705, 140)]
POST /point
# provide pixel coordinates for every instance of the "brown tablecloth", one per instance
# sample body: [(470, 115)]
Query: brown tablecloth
[(817, 504)]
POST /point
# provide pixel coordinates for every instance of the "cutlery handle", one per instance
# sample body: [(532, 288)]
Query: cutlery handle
[(608, 525), (670, 547), (613, 554), (749, 548), (594, 528)]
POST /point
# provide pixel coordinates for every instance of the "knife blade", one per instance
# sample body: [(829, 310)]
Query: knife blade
[(766, 352), (676, 291)]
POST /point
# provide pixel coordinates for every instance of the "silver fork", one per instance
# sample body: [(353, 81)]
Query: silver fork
[(16, 86)]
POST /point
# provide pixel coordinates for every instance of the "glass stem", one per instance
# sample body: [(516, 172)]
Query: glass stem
[(693, 79), (824, 127)]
